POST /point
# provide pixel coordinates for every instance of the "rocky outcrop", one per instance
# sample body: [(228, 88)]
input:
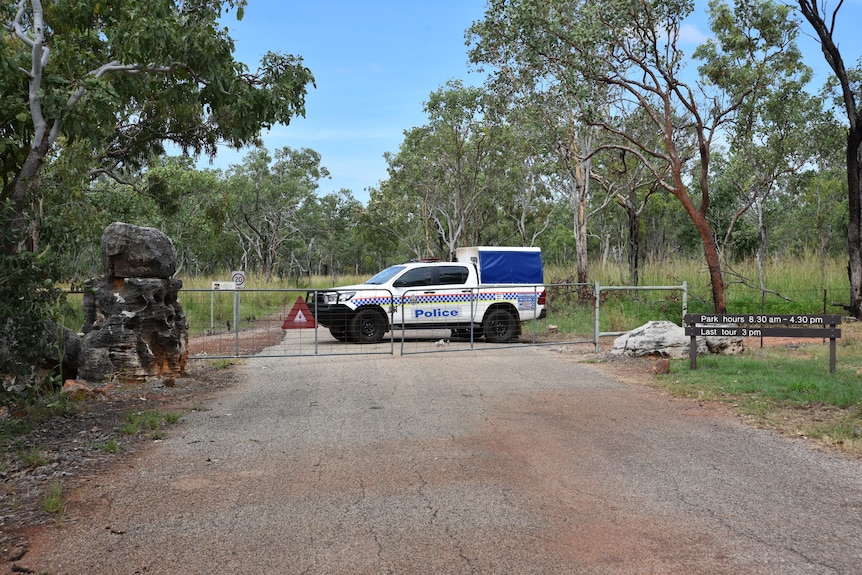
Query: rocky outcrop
[(666, 339), (134, 326), (132, 252)]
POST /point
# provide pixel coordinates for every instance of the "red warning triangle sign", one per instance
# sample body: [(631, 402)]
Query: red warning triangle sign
[(299, 317)]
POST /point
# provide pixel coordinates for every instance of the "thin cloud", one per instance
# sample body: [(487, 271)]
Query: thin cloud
[(691, 34)]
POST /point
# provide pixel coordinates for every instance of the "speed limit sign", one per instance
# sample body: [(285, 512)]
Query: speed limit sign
[(238, 278)]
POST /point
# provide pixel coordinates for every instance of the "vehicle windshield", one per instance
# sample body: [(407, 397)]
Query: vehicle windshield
[(385, 275)]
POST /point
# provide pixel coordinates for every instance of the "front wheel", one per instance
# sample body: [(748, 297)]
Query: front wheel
[(339, 335), (500, 326), (367, 326)]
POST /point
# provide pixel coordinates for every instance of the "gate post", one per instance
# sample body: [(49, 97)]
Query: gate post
[(596, 316)]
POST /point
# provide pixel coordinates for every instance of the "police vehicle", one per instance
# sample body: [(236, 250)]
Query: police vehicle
[(487, 292)]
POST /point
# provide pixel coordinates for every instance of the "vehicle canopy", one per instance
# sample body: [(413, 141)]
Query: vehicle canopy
[(505, 265)]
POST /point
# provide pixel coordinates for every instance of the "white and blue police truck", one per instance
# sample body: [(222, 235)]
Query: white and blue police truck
[(487, 292)]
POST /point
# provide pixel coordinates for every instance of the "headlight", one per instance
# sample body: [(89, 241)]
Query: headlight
[(329, 298), (334, 297)]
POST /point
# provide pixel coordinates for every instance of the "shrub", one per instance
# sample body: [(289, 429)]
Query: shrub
[(27, 299)]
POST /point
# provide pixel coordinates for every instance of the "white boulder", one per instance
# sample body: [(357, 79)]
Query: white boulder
[(666, 339)]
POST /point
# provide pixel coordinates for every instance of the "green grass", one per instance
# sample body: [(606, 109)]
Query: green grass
[(149, 422), (223, 363), (215, 311), (53, 502), (794, 285), (110, 445), (172, 417), (33, 457), (789, 389), (771, 377), (797, 285), (12, 427)]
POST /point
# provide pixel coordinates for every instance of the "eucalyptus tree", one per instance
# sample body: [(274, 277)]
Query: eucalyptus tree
[(523, 197), (627, 183), (333, 245), (769, 136), (191, 210), (572, 146), (824, 20), (417, 188), (630, 186), (533, 92), (767, 151), (170, 194), (527, 206), (769, 143), (821, 196), (450, 166), (118, 80), (393, 226), (109, 83), (268, 202), (631, 48), (816, 199)]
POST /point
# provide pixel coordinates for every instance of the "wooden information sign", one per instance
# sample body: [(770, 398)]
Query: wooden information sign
[(762, 325)]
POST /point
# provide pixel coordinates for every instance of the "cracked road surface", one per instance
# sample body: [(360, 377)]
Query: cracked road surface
[(508, 461)]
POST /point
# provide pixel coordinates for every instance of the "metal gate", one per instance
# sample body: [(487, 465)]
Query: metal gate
[(250, 322)]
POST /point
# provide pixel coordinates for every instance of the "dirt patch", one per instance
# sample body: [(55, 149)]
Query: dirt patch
[(246, 342)]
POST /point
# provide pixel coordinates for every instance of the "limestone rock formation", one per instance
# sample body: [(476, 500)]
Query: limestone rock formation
[(134, 326)]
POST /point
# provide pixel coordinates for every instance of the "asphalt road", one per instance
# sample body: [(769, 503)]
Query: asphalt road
[(510, 461)]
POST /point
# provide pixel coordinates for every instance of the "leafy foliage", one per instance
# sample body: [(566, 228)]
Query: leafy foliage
[(467, 177), (90, 88), (112, 83), (847, 92), (27, 298), (632, 51)]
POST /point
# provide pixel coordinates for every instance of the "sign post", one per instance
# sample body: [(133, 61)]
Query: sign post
[(218, 286), (760, 325), (236, 283), (238, 278)]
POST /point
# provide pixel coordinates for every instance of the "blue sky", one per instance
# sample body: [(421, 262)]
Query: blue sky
[(376, 61)]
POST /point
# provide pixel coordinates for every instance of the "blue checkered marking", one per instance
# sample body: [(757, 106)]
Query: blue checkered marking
[(415, 298), (372, 301)]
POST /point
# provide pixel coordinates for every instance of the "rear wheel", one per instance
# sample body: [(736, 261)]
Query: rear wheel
[(367, 326), (500, 326)]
